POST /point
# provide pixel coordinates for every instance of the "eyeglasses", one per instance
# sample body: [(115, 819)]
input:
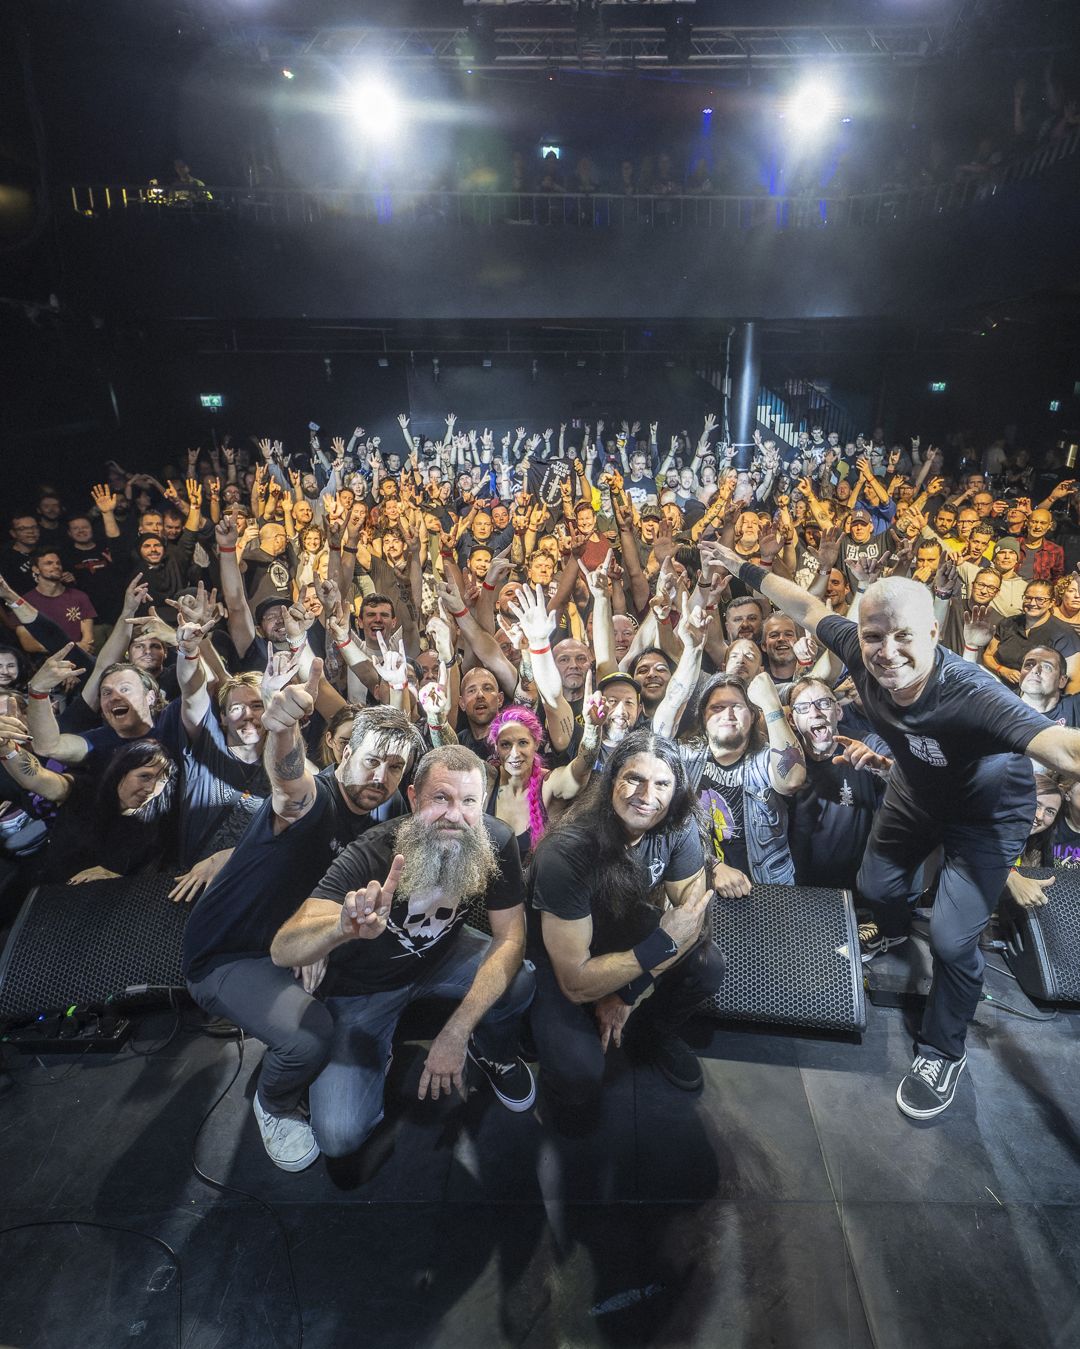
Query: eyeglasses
[(818, 705), (1037, 599)]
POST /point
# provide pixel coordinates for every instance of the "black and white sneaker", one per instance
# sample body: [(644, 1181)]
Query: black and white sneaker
[(678, 1063), (512, 1083), (929, 1086), (872, 943)]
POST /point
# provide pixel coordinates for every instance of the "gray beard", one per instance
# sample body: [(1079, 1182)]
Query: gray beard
[(457, 865)]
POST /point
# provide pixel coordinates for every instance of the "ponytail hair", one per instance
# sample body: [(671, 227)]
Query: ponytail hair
[(535, 790)]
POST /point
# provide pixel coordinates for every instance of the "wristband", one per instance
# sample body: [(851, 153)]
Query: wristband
[(347, 642), (655, 949), (486, 586), (460, 613), (777, 714), (13, 754), (185, 655), (227, 550), (634, 989), (970, 648), (539, 650), (752, 575), (34, 694), (396, 687), (346, 549)]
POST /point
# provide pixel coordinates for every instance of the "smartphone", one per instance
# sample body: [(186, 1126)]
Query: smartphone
[(313, 426)]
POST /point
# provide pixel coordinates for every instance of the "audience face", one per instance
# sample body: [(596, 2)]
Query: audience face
[(541, 569), (742, 618), (302, 514), (897, 643), (173, 525), (242, 717), (816, 714), (272, 539), (80, 530), (151, 522), (1042, 673), (481, 527), (641, 793), (836, 588), (744, 659), (1006, 560), (479, 562), (624, 634), (25, 532), (141, 785), (49, 508), (126, 704), (573, 660), (152, 551), (48, 568), (9, 669), (393, 547), (272, 623), (369, 776), (622, 707), (148, 653), (965, 523), (983, 503), (1039, 524), (727, 720), (507, 647), (374, 619), (1068, 597), (860, 527), (500, 517), (586, 519), (779, 635), (985, 587), (337, 741), (1036, 601), (481, 697), (653, 673), (638, 465), (515, 749), (945, 521)]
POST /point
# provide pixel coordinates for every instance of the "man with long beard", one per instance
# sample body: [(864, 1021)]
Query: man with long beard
[(388, 919)]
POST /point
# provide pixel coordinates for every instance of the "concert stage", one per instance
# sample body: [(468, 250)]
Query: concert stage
[(790, 1205)]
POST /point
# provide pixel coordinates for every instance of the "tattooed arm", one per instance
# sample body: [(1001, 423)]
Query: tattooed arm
[(787, 767), (25, 769), (293, 787)]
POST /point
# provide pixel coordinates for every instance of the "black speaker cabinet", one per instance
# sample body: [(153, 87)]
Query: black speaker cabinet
[(792, 954), (84, 943), (1044, 943)]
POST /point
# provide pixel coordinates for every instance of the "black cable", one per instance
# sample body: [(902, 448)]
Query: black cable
[(1015, 1011), (244, 1194), (1000, 969), (128, 1231), (162, 1044)]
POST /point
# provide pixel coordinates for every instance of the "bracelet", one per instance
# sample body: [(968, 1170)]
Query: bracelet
[(347, 642), (486, 586), (539, 650), (345, 549), (227, 550), (777, 714), (181, 652), (34, 694), (460, 613), (14, 754), (970, 648), (396, 687)]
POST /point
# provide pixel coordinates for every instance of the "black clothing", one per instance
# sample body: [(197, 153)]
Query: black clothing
[(85, 835), (270, 875), (829, 822), (420, 930), (222, 794), (1014, 641)]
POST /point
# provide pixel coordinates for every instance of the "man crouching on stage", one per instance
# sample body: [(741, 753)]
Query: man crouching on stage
[(604, 934), (388, 918)]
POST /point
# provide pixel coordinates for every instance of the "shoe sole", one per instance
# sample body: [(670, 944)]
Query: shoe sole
[(518, 1107), (681, 1082), (937, 1109), (887, 945)]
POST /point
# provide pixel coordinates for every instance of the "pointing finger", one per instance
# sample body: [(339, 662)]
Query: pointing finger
[(392, 878)]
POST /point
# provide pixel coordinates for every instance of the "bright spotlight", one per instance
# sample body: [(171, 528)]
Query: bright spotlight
[(377, 109), (811, 107)]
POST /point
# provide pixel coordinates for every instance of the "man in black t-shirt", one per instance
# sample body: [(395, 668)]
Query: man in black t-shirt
[(620, 895), (293, 838), (388, 919), (959, 781)]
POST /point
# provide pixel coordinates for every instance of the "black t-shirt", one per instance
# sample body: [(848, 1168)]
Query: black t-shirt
[(1067, 711), (564, 881), (1065, 847), (270, 875), (420, 929), (829, 821), (720, 793), (958, 748), (222, 794), (98, 576), (1014, 642)]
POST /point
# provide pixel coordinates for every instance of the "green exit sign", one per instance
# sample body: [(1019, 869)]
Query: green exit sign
[(938, 386), (212, 400)]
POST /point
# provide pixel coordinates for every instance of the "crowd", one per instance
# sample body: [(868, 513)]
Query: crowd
[(495, 721)]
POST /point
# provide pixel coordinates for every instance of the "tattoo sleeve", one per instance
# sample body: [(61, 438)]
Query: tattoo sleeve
[(787, 758), (290, 766)]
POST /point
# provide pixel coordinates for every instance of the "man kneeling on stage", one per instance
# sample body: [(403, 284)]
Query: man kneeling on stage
[(389, 920), (621, 896)]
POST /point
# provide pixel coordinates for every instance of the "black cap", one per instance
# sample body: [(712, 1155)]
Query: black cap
[(618, 677), (269, 603)]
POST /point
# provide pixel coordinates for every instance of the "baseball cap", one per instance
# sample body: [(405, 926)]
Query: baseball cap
[(618, 677), (270, 602), (652, 513)]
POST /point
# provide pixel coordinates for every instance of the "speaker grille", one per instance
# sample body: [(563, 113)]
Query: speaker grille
[(81, 943), (1049, 968), (792, 954)]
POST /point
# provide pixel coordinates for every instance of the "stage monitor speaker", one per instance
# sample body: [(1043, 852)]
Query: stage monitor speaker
[(792, 954), (1044, 943), (85, 943)]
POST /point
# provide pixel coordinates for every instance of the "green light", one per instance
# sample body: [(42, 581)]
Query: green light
[(212, 400), (938, 386)]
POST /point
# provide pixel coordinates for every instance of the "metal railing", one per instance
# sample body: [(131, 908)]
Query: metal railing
[(800, 406), (289, 207)]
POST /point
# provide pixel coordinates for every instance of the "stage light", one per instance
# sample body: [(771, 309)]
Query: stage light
[(811, 107), (377, 109), (938, 386), (706, 112), (288, 74), (1055, 405), (383, 363), (486, 362)]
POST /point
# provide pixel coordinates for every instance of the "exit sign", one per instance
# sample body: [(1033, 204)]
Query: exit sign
[(938, 386), (212, 400)]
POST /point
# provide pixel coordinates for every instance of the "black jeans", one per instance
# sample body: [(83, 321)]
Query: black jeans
[(568, 1039), (977, 861), (270, 1004)]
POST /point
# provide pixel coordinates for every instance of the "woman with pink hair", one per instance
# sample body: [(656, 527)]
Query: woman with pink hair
[(522, 789)]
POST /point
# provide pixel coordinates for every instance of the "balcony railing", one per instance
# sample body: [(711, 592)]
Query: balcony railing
[(288, 207)]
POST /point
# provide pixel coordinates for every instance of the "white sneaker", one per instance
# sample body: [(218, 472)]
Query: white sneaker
[(289, 1139)]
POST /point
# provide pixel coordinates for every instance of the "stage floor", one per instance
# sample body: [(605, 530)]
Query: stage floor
[(789, 1205)]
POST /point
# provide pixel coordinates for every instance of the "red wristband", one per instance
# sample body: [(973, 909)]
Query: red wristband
[(539, 650), (34, 694), (460, 613), (486, 586), (342, 645), (227, 550)]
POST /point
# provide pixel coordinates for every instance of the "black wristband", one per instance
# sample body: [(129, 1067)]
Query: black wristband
[(655, 949), (752, 575), (633, 990)]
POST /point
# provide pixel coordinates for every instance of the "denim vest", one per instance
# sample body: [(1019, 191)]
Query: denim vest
[(765, 815)]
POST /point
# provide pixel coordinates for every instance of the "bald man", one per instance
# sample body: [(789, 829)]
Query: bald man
[(959, 780)]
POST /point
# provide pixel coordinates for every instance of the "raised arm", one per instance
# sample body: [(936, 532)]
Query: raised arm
[(240, 623), (538, 625), (40, 718), (806, 609), (24, 768), (292, 786)]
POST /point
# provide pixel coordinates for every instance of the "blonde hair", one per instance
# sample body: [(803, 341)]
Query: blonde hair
[(249, 679)]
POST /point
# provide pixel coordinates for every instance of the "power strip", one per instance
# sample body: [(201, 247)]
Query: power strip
[(76, 1033)]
